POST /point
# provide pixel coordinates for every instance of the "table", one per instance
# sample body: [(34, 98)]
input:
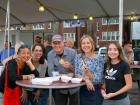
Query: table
[(54, 85), (136, 73), (135, 66)]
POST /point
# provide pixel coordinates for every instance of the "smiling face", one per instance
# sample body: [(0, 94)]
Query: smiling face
[(24, 54), (113, 52), (37, 52), (69, 43), (58, 46), (86, 45)]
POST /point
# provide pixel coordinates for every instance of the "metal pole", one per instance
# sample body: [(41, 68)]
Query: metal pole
[(50, 96), (120, 21), (5, 35), (8, 28)]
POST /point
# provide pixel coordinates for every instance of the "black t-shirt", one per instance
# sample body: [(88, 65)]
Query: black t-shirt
[(114, 78)]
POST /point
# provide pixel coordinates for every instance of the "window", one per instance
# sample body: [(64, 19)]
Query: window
[(69, 35), (110, 21), (50, 25), (117, 35), (104, 35), (97, 26), (112, 35), (109, 35)]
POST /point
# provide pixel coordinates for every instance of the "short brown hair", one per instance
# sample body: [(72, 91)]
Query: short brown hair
[(126, 42)]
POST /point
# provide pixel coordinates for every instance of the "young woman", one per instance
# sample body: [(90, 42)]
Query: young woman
[(89, 67), (20, 68), (38, 96), (118, 78)]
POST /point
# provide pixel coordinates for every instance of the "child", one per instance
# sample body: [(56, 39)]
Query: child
[(118, 80)]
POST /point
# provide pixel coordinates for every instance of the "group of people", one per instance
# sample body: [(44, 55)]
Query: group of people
[(112, 76)]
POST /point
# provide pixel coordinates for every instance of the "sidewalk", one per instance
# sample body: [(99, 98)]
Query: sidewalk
[(0, 99), (135, 95)]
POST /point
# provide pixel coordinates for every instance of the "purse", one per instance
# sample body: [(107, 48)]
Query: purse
[(11, 96)]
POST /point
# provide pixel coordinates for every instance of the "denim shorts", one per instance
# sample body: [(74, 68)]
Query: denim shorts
[(124, 101)]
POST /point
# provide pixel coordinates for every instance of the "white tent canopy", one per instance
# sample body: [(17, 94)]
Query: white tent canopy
[(26, 11)]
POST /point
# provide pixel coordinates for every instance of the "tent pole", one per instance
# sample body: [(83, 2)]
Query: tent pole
[(120, 21), (8, 28)]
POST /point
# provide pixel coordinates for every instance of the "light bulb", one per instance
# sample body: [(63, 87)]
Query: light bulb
[(90, 18), (75, 17), (41, 8)]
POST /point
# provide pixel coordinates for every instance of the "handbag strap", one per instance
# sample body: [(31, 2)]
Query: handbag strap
[(6, 74)]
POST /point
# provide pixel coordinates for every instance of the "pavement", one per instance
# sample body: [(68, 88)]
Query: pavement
[(1, 99), (134, 95)]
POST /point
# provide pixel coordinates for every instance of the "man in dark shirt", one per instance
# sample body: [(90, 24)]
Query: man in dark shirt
[(47, 45)]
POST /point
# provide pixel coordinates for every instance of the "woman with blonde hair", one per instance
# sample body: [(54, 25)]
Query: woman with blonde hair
[(89, 67)]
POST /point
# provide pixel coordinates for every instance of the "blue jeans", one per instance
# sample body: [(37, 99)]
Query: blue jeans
[(43, 99)]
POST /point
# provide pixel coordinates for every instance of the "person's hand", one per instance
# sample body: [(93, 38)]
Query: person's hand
[(9, 58), (90, 85), (67, 65), (37, 95), (15, 56), (24, 96), (109, 95), (30, 64), (85, 68)]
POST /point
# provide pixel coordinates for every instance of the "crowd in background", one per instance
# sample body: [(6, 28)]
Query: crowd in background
[(107, 79)]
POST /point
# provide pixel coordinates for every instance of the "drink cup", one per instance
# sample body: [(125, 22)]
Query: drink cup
[(55, 73), (136, 62)]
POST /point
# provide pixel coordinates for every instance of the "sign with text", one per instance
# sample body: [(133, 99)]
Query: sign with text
[(135, 30)]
